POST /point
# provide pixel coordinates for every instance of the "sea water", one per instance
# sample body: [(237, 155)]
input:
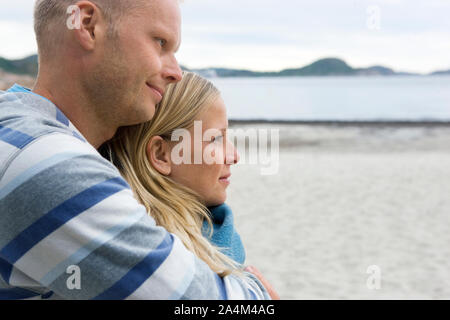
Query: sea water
[(410, 98)]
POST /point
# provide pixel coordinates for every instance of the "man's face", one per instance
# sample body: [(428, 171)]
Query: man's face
[(137, 64)]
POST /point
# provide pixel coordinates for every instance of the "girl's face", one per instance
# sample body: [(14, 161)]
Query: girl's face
[(211, 178)]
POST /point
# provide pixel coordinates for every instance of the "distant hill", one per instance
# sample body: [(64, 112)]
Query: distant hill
[(226, 73), (376, 71), (439, 73), (26, 66), (322, 67)]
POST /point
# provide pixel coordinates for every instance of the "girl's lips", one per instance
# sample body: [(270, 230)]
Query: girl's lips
[(225, 179)]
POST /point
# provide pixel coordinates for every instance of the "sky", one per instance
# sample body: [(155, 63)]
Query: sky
[(271, 35)]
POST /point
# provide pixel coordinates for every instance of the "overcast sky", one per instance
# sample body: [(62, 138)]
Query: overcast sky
[(406, 35)]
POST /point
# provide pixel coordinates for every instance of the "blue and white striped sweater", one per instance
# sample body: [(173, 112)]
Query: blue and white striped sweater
[(62, 204)]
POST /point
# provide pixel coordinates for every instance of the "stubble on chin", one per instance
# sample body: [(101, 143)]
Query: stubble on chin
[(112, 90)]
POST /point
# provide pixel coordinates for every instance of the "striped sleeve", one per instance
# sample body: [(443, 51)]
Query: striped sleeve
[(63, 206)]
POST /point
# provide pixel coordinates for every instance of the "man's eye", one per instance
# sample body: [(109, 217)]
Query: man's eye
[(217, 139), (162, 42)]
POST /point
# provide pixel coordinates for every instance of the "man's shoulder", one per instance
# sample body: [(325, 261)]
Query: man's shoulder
[(25, 114), (30, 134)]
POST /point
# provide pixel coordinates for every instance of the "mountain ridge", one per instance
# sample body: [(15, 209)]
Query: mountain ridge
[(443, 72), (323, 67), (25, 66)]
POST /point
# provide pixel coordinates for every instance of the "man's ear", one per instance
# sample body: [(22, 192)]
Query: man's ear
[(88, 24), (158, 154)]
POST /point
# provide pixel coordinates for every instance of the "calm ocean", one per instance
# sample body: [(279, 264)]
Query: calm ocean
[(410, 98)]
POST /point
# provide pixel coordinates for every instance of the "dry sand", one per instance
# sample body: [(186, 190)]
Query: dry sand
[(8, 79), (347, 197)]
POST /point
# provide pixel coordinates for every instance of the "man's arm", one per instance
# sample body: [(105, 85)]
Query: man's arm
[(63, 205)]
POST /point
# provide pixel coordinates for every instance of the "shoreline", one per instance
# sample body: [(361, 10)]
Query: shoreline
[(345, 123), (350, 136)]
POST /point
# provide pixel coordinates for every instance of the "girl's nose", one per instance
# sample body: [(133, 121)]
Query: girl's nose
[(232, 155)]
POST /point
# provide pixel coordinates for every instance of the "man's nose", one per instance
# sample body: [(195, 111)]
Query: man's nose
[(172, 72)]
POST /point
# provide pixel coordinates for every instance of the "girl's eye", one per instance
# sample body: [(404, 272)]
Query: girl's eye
[(217, 139)]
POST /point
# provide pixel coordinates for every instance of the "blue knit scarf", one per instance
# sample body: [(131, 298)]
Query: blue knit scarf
[(224, 233)]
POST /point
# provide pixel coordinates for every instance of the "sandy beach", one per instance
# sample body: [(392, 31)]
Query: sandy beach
[(7, 80), (347, 197)]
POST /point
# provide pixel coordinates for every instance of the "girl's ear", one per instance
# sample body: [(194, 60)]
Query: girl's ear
[(158, 154)]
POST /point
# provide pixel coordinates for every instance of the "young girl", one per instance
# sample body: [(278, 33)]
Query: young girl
[(185, 197)]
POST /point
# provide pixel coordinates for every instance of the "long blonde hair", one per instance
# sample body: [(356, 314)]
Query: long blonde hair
[(172, 205)]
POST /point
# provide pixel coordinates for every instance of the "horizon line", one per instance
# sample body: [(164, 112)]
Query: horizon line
[(279, 70), (315, 60)]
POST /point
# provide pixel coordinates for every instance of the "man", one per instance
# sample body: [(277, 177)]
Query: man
[(69, 225)]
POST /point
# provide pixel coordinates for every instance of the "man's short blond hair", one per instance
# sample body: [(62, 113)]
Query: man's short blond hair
[(50, 18)]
